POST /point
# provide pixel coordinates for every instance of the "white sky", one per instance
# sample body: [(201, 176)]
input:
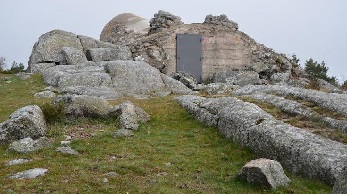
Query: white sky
[(308, 28)]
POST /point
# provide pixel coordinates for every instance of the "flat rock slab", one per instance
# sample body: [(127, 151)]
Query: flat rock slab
[(67, 150), (264, 172), (17, 161), (123, 133), (30, 174)]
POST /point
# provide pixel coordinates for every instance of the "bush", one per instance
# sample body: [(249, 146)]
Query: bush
[(53, 112), (317, 70)]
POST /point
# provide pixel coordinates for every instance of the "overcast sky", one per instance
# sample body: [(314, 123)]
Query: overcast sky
[(308, 28)]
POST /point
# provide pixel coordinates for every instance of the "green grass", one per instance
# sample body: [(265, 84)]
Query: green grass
[(172, 153)]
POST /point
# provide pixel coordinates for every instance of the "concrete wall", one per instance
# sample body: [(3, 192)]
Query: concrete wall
[(223, 50)]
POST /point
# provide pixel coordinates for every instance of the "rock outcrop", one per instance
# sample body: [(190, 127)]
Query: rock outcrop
[(59, 47), (265, 173), (112, 79), (297, 149), (163, 20), (333, 102), (26, 122)]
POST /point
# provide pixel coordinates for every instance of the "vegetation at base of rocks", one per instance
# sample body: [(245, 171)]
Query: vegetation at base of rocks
[(344, 85), (53, 112), (172, 153), (317, 70), (316, 127)]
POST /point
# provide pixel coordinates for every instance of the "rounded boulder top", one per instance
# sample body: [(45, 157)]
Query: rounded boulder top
[(125, 26)]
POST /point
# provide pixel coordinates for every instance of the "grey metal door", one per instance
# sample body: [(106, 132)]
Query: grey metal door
[(189, 54)]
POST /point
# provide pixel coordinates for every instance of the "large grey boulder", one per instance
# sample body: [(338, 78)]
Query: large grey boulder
[(76, 106), (27, 145), (26, 122), (264, 172), (129, 116), (49, 46), (72, 56), (30, 174)]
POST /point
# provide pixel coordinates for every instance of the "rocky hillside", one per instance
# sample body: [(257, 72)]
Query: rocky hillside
[(254, 97)]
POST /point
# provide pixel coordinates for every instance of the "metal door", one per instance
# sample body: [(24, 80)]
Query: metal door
[(189, 54)]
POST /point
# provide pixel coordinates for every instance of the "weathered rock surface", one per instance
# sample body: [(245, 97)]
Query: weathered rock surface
[(264, 173), (330, 101), (101, 92), (39, 68), (137, 77), (129, 116), (45, 94), (280, 77), (340, 186), (221, 20), (218, 88), (67, 150), (26, 122), (59, 47), (296, 108), (76, 106), (186, 78), (237, 78), (72, 56), (123, 133), (17, 161), (27, 145), (112, 79), (48, 48), (163, 20), (124, 29), (298, 150), (30, 174), (109, 54)]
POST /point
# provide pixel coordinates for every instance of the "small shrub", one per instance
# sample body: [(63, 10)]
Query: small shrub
[(53, 112), (313, 85)]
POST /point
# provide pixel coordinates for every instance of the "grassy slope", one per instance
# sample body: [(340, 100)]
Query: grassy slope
[(172, 153)]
